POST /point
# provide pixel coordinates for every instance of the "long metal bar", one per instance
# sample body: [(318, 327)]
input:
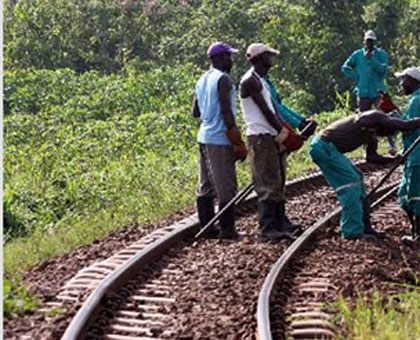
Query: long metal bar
[(240, 196), (402, 160)]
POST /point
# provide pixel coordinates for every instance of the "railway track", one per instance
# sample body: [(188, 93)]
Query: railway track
[(162, 287), (306, 315)]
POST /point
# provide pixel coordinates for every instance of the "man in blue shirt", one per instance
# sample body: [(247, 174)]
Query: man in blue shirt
[(219, 140)]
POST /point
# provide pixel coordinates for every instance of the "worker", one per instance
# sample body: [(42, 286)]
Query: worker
[(220, 141), (367, 67), (409, 191), (268, 137), (297, 121), (345, 135)]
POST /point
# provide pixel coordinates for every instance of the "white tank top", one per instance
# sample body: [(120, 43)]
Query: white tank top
[(256, 124)]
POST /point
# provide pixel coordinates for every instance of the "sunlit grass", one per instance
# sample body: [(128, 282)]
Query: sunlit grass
[(397, 318)]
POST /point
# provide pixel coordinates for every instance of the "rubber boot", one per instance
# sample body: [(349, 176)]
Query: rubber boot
[(286, 223), (205, 209), (271, 221), (366, 220), (227, 224), (415, 230)]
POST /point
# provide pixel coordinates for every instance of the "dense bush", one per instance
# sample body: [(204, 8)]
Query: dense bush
[(314, 37), (74, 143)]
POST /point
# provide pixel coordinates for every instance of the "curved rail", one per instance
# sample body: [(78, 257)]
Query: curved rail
[(263, 308), (180, 231)]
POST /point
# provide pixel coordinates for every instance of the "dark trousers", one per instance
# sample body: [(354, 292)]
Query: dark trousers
[(268, 167), (217, 172)]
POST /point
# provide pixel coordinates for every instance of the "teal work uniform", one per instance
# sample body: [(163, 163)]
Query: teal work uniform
[(369, 73), (327, 151), (409, 191), (290, 116)]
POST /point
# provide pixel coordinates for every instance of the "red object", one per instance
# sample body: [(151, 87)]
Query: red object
[(293, 142), (386, 104)]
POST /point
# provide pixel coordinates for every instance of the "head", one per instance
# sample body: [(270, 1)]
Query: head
[(370, 40), (261, 56), (220, 55), (410, 79)]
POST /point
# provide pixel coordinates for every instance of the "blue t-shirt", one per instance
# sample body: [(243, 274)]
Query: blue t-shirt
[(212, 129)]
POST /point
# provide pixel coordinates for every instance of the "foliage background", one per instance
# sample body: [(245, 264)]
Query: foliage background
[(314, 37), (97, 94)]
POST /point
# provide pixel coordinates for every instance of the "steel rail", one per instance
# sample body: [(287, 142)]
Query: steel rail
[(278, 269), (182, 230)]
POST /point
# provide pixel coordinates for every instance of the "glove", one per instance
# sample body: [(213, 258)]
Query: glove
[(308, 126), (288, 137), (239, 147), (385, 102)]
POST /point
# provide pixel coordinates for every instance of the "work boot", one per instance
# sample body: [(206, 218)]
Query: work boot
[(271, 221), (286, 223), (205, 209), (366, 220), (227, 224), (414, 238)]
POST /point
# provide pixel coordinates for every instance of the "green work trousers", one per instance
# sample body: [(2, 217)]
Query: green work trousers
[(347, 181)]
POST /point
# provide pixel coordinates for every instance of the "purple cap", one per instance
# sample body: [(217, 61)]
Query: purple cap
[(219, 47)]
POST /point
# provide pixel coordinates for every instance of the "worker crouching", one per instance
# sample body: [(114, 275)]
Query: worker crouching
[(345, 135)]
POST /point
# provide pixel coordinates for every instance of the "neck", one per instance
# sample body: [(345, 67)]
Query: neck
[(219, 67), (415, 89), (261, 70)]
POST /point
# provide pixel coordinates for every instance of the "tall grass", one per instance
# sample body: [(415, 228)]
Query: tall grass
[(397, 318)]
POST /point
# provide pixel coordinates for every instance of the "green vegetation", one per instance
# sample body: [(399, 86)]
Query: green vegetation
[(314, 37), (16, 300), (397, 318)]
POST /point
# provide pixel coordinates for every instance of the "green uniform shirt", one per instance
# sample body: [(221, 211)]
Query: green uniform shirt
[(290, 116), (369, 73), (412, 111)]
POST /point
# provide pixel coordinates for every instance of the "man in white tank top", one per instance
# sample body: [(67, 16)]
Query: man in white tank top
[(268, 137)]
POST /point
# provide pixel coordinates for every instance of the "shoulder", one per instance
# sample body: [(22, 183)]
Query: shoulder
[(381, 51), (414, 102), (358, 52), (249, 83), (370, 118), (225, 82)]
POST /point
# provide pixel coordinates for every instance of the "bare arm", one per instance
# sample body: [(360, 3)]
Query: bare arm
[(224, 87), (380, 121), (251, 87), (195, 109)]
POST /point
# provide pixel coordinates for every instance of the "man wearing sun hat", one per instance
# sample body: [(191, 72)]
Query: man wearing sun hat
[(268, 137), (219, 139), (367, 66), (409, 192)]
